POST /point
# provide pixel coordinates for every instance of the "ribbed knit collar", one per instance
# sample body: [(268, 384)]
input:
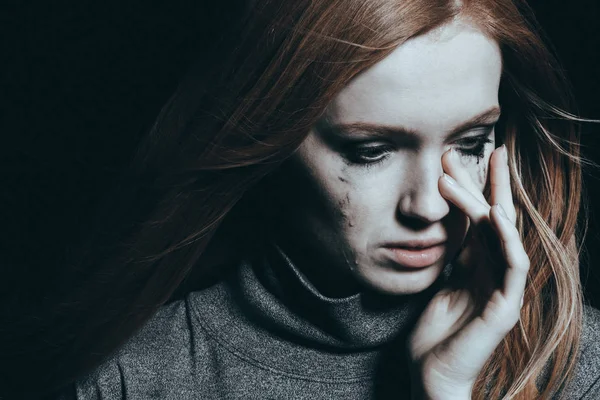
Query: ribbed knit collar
[(364, 320), (266, 310)]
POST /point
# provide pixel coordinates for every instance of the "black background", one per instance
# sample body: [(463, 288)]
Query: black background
[(81, 81)]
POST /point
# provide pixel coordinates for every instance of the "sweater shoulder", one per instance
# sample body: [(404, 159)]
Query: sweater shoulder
[(161, 349), (590, 335), (585, 382)]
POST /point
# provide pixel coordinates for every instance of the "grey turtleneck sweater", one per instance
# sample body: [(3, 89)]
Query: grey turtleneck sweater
[(264, 332)]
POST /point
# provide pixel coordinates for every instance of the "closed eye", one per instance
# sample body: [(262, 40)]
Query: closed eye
[(369, 155), (474, 147)]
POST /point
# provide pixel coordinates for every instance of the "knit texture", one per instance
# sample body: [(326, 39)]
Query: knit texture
[(264, 332)]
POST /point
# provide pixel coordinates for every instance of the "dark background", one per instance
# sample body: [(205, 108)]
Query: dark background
[(81, 81)]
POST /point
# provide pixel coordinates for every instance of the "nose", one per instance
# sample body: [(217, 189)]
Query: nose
[(421, 198)]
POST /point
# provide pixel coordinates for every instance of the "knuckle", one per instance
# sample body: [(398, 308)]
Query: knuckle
[(507, 318), (511, 317), (524, 264), (513, 233)]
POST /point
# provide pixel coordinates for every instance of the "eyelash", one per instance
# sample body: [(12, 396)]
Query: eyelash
[(355, 155), (477, 150)]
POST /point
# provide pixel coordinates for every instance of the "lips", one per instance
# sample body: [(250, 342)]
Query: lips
[(418, 256), (417, 243)]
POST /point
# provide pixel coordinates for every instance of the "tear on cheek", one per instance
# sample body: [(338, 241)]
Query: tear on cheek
[(346, 216), (482, 175), (342, 207), (478, 170)]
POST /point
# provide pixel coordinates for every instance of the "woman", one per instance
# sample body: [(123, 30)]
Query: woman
[(374, 199)]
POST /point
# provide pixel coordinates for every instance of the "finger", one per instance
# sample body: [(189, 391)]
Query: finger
[(463, 199), (451, 165), (501, 192), (477, 340), (516, 257)]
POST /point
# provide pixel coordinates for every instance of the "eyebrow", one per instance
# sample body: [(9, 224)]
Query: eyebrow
[(485, 119)]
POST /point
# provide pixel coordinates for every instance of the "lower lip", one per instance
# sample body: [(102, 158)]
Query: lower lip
[(416, 258)]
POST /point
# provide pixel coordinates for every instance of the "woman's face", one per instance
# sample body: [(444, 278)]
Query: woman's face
[(367, 174)]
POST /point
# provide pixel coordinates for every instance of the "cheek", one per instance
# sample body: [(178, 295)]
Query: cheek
[(351, 210), (344, 208), (478, 169), (353, 206), (364, 201), (482, 174), (335, 206)]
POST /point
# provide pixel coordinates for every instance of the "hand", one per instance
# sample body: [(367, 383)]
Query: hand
[(464, 323)]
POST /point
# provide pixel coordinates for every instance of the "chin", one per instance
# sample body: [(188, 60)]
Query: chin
[(398, 282)]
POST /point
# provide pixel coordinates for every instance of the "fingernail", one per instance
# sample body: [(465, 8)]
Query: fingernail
[(501, 210), (505, 154), (449, 179)]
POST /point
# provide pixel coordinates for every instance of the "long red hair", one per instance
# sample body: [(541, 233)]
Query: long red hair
[(238, 114)]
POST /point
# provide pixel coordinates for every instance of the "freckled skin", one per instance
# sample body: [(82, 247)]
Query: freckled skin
[(340, 213)]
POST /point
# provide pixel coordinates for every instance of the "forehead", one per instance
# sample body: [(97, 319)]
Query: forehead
[(429, 84)]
